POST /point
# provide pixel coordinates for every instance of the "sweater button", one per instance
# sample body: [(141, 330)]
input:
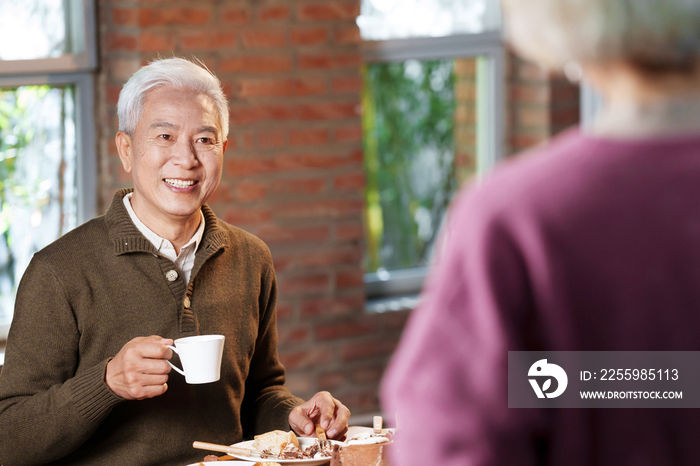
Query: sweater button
[(171, 275), (186, 302)]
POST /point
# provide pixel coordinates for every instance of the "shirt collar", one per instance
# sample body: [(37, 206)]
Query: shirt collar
[(157, 241)]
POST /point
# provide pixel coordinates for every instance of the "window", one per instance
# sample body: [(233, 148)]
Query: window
[(591, 105), (47, 153), (409, 149), (432, 118)]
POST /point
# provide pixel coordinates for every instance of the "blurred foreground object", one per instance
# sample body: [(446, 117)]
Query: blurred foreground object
[(589, 244)]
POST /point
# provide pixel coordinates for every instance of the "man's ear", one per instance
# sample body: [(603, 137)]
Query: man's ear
[(125, 149)]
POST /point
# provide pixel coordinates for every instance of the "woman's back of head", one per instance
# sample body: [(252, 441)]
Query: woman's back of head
[(653, 34)]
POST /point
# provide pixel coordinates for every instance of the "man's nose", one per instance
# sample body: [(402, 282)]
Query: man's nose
[(184, 154)]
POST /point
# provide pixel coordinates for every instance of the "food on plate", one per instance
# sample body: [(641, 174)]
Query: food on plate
[(291, 452), (314, 451), (285, 445), (209, 458), (272, 443), (318, 451)]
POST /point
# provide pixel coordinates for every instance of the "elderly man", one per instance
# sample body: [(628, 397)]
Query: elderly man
[(83, 381)]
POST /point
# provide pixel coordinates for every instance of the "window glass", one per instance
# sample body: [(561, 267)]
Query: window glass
[(394, 19), (420, 134), (38, 187), (32, 29)]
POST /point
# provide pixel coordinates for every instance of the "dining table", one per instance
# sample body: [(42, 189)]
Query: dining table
[(352, 431)]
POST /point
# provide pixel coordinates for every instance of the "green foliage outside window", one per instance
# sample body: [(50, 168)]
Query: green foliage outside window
[(16, 133), (409, 146), (37, 166)]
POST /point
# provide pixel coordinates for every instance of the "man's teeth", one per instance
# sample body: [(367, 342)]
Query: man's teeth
[(179, 183)]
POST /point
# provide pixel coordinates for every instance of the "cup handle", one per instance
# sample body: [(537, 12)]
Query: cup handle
[(177, 369)]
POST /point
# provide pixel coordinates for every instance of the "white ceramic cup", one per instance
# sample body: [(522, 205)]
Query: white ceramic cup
[(200, 357)]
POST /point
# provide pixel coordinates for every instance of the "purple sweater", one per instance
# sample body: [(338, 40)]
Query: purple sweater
[(587, 244)]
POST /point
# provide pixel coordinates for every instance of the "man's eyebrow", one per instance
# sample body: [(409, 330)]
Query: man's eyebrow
[(208, 129), (163, 124)]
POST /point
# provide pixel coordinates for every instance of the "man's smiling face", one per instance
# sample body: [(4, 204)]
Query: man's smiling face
[(175, 156)]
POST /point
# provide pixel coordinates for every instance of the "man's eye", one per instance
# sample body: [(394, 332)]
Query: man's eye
[(206, 140), (167, 137)]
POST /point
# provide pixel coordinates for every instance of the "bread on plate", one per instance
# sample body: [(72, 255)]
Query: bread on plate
[(273, 442)]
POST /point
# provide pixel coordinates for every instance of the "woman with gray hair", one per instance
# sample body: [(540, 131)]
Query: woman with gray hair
[(592, 243)]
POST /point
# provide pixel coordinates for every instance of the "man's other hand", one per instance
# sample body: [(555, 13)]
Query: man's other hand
[(140, 369), (322, 409)]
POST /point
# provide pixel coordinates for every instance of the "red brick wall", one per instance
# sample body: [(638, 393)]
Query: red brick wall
[(538, 105), (293, 172)]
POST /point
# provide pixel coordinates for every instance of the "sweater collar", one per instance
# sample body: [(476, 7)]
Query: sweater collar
[(126, 237)]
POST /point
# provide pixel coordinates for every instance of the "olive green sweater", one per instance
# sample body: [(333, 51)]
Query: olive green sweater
[(87, 294)]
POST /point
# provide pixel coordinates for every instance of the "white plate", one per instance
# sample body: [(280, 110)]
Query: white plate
[(304, 443), (212, 463)]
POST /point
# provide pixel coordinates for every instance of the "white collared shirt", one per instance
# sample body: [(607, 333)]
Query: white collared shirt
[(185, 260)]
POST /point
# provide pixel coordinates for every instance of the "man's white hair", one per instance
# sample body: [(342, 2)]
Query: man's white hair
[(653, 33), (176, 72)]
